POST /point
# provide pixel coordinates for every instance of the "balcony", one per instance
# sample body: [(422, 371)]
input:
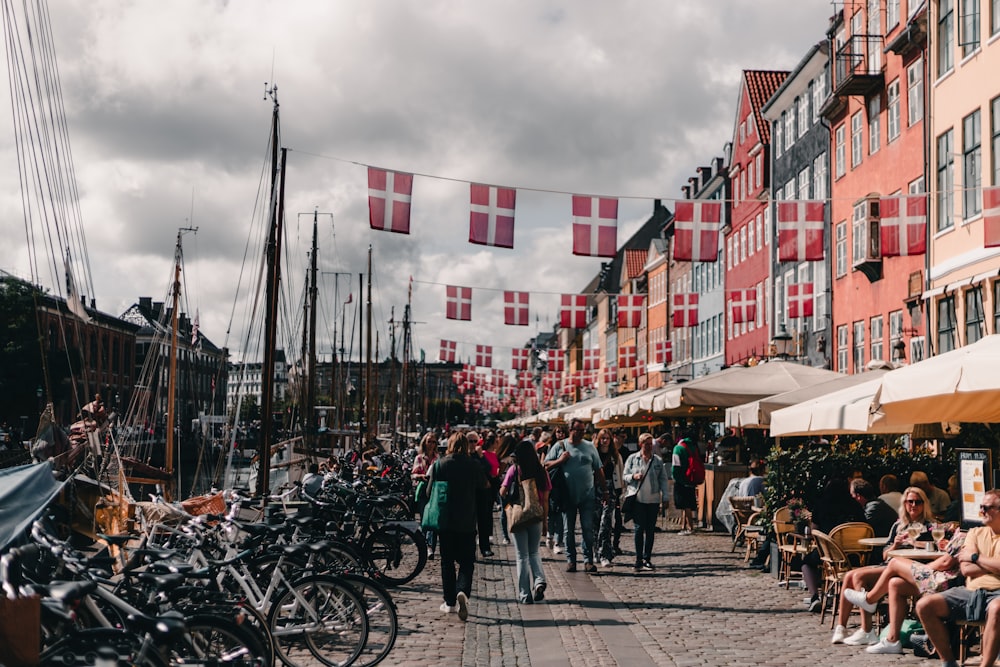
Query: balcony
[(858, 66)]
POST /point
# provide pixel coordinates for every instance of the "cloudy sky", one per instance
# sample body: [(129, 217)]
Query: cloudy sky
[(169, 128)]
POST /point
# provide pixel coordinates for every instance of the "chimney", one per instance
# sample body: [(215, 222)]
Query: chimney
[(686, 189), (145, 302)]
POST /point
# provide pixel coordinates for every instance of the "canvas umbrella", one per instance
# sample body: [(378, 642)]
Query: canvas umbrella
[(845, 411)]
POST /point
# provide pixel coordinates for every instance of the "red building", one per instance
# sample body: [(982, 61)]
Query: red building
[(748, 263)]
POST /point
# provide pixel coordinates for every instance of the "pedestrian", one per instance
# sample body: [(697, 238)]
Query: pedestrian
[(555, 518), (528, 538), (619, 445), (579, 463), (486, 496), (611, 465), (505, 454), (685, 493), (457, 528), (427, 454), (645, 476)]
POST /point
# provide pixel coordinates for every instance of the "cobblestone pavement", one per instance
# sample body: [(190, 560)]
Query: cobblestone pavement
[(700, 606)]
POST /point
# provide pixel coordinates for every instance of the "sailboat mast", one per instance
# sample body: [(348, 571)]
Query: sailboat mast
[(369, 393), (308, 429), (172, 372), (273, 255)]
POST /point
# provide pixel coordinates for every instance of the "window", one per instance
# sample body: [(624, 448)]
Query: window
[(974, 317), (789, 118), (819, 177), (779, 133), (840, 167), (946, 37), (972, 176), (804, 184), (857, 139), (874, 28), (916, 186), (750, 238), (859, 231), (892, 13), (736, 249), (743, 132), (817, 90), (946, 325), (820, 299), (895, 328), (859, 346), (780, 299), (892, 117), (877, 349), (994, 17), (749, 178), (915, 93), (759, 160), (945, 181), (841, 248), (760, 232), (729, 253), (804, 116), (995, 132), (970, 26), (842, 348), (751, 126), (743, 243), (767, 225), (874, 125)]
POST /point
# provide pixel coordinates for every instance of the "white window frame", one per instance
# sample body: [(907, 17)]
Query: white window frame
[(760, 231), (840, 157), (803, 183), (842, 349), (874, 124), (743, 243), (876, 344), (819, 177), (859, 231), (760, 169), (802, 104), (789, 118), (892, 14), (892, 112), (857, 138), (915, 92), (750, 238)]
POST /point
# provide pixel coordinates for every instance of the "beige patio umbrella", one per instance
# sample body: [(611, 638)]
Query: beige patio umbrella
[(962, 385), (845, 411)]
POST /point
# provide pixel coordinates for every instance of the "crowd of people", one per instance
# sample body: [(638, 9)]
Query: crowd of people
[(582, 484)]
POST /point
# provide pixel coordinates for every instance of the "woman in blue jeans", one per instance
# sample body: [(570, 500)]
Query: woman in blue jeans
[(646, 479), (530, 578)]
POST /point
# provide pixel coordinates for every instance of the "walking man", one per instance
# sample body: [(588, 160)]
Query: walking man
[(685, 493)]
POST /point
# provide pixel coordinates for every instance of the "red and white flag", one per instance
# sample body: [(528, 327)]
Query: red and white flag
[(499, 377), (743, 305), (591, 358), (991, 216), (556, 360), (800, 300), (663, 352), (491, 216), (519, 358), (685, 309), (595, 226), (573, 314), (610, 374), (524, 380), (484, 356), (459, 303), (515, 308), (389, 200), (800, 230), (627, 356), (448, 349), (903, 225), (696, 231), (630, 310)]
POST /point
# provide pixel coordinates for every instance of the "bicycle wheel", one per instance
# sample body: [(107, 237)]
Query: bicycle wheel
[(397, 552), (383, 622), (216, 639), (319, 617), (82, 647)]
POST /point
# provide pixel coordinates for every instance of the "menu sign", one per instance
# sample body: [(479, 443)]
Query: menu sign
[(975, 473)]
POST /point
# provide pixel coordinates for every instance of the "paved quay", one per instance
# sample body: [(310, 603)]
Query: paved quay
[(700, 606)]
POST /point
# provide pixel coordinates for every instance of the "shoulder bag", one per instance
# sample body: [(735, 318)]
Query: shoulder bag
[(527, 507), (628, 503), (437, 503)]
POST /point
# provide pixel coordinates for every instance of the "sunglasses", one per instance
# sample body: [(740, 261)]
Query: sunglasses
[(985, 509), (914, 502)]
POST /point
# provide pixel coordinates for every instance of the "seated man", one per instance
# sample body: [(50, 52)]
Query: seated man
[(980, 563)]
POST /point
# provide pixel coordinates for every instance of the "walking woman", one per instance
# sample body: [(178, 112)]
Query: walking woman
[(457, 534), (528, 538), (612, 464), (427, 454), (646, 478)]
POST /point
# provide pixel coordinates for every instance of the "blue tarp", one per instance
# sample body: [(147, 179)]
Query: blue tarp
[(25, 492)]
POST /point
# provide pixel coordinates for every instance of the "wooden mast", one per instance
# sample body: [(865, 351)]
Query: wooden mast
[(309, 402), (172, 372), (369, 392)]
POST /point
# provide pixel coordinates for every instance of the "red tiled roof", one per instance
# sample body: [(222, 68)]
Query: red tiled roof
[(635, 260), (761, 85)]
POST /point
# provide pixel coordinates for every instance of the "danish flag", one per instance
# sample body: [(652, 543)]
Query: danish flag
[(389, 200), (663, 352), (519, 357), (743, 305), (903, 225), (515, 308), (630, 310), (484, 355), (459, 303), (800, 300), (556, 360), (591, 358), (499, 377), (610, 374), (595, 226), (448, 349), (573, 314), (627, 356), (800, 230), (524, 381), (991, 216), (685, 309), (696, 231), (491, 217)]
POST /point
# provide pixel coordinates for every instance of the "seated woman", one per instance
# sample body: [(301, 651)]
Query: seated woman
[(903, 578), (915, 509)]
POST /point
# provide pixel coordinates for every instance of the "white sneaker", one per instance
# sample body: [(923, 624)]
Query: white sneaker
[(859, 599), (448, 609), (862, 638), (463, 605), (605, 562), (885, 646), (839, 633), (505, 541), (684, 532), (557, 549)]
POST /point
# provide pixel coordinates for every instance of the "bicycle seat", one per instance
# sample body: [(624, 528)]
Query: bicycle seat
[(163, 628)]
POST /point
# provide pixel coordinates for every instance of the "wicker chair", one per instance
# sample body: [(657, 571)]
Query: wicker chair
[(742, 511), (846, 535), (788, 545), (836, 564)]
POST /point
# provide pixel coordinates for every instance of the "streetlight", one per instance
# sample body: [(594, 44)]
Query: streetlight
[(781, 343)]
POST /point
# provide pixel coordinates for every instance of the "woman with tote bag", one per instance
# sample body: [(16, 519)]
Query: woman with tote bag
[(527, 537)]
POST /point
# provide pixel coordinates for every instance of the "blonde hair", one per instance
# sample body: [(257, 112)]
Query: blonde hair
[(926, 514), (643, 437)]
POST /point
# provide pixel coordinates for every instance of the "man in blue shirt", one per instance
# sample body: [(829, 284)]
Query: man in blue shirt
[(579, 462)]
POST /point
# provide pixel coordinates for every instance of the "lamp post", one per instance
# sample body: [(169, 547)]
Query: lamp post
[(781, 343)]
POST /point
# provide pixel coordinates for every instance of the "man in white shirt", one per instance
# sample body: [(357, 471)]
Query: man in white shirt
[(888, 486)]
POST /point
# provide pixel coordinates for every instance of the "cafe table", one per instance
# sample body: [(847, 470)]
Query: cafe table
[(915, 554), (874, 541)]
